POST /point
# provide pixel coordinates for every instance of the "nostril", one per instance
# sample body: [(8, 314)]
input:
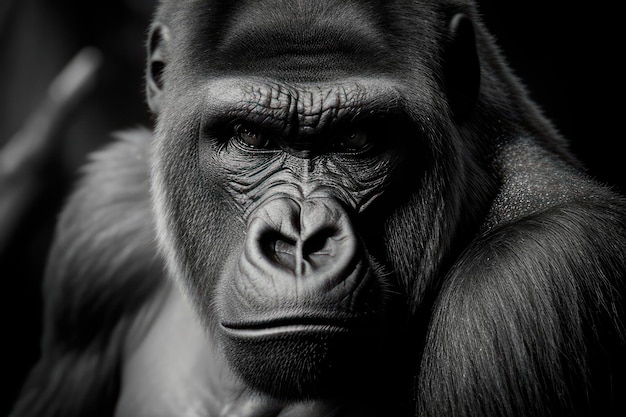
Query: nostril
[(320, 243), (289, 253), (285, 247), (279, 249), (285, 254), (313, 238)]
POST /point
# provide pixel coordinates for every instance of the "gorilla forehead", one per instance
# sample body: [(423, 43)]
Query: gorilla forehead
[(301, 40), (300, 108), (303, 36)]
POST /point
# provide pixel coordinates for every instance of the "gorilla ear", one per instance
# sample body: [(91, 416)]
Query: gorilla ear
[(461, 66), (157, 53)]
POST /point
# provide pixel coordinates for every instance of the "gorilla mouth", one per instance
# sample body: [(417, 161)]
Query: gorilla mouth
[(288, 325), (299, 355)]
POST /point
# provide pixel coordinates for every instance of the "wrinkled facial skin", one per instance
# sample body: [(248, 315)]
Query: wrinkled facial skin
[(274, 195), (299, 163), (279, 179)]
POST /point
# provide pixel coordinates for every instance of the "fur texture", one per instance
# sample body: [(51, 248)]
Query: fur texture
[(505, 258)]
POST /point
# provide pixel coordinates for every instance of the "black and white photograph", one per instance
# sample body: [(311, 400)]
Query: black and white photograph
[(312, 208)]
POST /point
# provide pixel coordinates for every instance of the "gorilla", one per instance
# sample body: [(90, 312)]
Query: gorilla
[(347, 208)]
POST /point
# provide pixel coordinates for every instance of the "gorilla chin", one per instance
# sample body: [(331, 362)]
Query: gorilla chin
[(295, 360)]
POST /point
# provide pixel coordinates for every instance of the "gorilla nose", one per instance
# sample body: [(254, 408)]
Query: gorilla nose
[(313, 237)]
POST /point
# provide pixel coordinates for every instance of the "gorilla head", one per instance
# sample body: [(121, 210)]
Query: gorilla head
[(305, 151)]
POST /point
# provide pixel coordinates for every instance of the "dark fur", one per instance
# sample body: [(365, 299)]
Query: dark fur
[(514, 286)]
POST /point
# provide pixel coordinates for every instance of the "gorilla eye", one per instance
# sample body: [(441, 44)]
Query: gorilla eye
[(250, 137), (354, 140)]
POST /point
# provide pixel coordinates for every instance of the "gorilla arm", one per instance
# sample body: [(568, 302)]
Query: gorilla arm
[(528, 319), (102, 271)]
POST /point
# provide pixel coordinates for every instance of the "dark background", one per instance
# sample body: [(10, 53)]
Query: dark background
[(568, 54)]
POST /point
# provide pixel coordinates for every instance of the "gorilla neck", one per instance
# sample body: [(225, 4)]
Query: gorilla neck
[(173, 371)]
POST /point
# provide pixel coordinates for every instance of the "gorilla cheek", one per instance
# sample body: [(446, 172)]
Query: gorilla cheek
[(206, 243)]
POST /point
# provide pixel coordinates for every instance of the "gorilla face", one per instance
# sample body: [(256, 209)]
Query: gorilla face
[(283, 190)]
